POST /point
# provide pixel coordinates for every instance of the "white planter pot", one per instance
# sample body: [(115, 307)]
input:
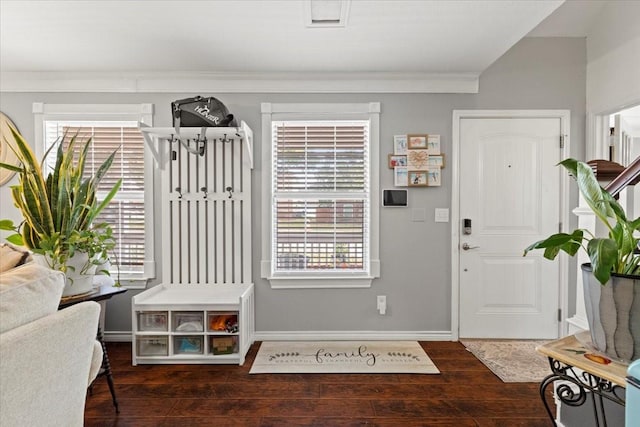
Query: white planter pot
[(613, 313), (78, 282)]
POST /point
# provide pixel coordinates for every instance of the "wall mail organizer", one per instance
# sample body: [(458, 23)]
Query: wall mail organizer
[(416, 160)]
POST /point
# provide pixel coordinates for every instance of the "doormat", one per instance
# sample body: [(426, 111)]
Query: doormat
[(342, 357), (513, 361)]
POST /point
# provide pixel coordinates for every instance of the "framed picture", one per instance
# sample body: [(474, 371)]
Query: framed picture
[(435, 161), (396, 160), (417, 178), (433, 144), (399, 144), (434, 177), (418, 160), (417, 141), (400, 177)]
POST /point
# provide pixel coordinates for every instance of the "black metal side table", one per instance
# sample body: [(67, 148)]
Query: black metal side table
[(585, 375), (102, 293)]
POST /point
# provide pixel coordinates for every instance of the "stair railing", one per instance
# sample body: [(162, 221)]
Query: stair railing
[(629, 176)]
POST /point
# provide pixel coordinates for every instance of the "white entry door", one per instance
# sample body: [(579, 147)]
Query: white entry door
[(509, 197)]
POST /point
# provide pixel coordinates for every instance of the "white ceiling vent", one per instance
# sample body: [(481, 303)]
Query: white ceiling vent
[(326, 13)]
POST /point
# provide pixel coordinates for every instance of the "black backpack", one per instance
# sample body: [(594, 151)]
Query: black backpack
[(201, 112)]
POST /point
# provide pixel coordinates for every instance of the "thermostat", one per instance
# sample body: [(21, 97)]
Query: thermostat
[(394, 198)]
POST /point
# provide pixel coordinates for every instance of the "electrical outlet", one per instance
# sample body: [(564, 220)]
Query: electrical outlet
[(382, 304)]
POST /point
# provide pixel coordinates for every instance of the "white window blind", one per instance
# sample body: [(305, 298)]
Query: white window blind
[(321, 197), (126, 212)]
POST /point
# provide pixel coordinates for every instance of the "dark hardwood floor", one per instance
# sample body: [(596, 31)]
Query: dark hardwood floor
[(465, 394)]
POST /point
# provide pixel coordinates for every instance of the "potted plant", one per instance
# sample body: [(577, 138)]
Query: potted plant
[(59, 211), (612, 280)]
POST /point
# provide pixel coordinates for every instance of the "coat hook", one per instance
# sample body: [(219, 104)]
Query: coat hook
[(204, 191), (179, 192), (230, 190), (202, 141)]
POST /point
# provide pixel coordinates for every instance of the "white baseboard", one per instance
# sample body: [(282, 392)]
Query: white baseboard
[(577, 324), (353, 335), (117, 336), (125, 336)]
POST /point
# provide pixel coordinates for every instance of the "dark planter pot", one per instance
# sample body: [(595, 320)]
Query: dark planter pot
[(613, 313)]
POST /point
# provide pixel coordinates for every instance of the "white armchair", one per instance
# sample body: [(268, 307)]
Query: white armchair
[(47, 357)]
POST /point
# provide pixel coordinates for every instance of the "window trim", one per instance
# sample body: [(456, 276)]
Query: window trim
[(141, 113), (358, 111)]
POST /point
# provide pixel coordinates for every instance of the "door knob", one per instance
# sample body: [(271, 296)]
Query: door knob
[(466, 247)]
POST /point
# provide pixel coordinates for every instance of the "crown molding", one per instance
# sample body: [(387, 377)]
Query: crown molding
[(152, 82)]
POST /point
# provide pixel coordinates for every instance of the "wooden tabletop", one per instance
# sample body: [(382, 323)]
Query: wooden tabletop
[(98, 294), (576, 350)]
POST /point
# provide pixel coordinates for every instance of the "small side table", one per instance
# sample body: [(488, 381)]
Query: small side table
[(102, 293), (602, 378)]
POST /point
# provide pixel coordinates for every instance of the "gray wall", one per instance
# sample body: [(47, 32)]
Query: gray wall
[(537, 73)]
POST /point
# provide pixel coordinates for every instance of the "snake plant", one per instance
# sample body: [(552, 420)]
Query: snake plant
[(615, 253), (59, 210)]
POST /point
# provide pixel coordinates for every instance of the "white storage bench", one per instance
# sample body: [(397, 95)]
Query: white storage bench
[(193, 324)]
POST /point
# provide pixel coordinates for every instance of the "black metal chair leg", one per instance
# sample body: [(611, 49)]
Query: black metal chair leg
[(106, 367)]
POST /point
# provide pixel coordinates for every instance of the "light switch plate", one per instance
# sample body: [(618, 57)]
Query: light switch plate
[(442, 215), (418, 214)]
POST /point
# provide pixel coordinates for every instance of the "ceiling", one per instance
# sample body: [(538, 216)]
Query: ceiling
[(271, 36), (574, 18), (632, 120), (386, 38), (389, 39)]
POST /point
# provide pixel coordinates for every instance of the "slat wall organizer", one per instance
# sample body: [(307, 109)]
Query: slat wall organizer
[(206, 203)]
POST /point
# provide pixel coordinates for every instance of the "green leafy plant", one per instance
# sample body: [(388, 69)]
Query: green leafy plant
[(615, 253), (59, 210)]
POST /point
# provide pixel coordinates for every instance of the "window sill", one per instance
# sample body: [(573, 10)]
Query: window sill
[(291, 282), (133, 283), (317, 281)]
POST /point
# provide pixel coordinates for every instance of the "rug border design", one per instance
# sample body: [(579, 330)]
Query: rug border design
[(342, 357)]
